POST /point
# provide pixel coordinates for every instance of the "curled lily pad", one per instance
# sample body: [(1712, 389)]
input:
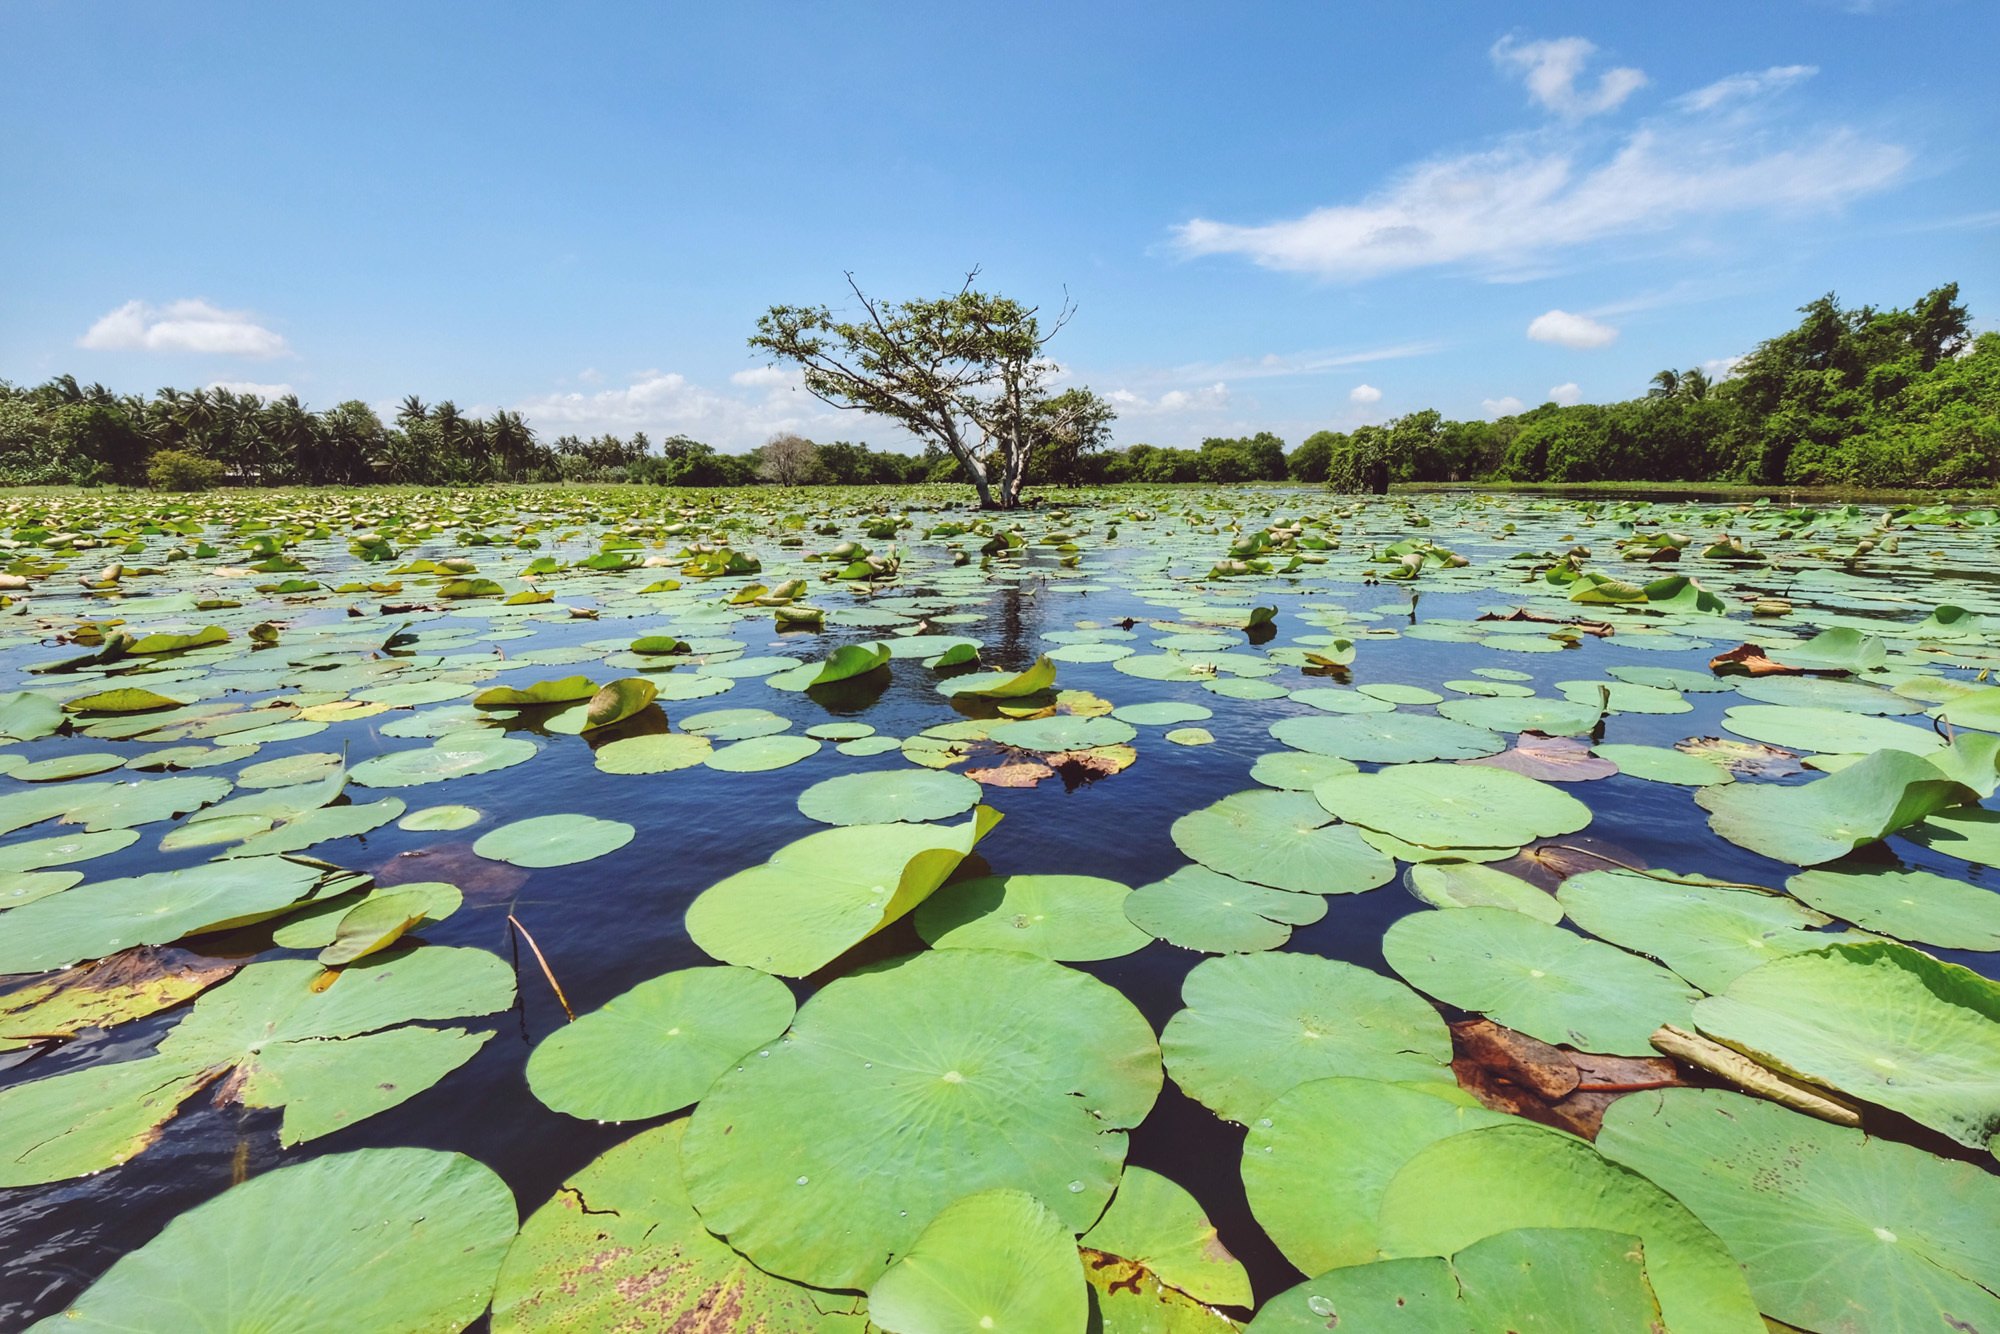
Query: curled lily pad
[(375, 924), (1835, 1229), (317, 924), (996, 1259), (1199, 909), (617, 701), (1547, 982), (827, 892), (1880, 1021), (1452, 805), (1830, 817), (885, 796), (1909, 905), (428, 1229), (566, 690), (621, 1232), (847, 662), (1256, 1025), (554, 840), (1003, 685), (1071, 918), (1286, 840), (1004, 1071), (657, 1048)]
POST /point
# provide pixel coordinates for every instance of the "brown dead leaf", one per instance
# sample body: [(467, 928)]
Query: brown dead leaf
[(1750, 660), (1548, 863), (1025, 774), (1751, 759), (128, 985), (456, 863), (1602, 629), (1553, 759), (1514, 1073)]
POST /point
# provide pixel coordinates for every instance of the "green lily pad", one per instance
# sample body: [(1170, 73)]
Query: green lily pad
[(1835, 1229), (762, 754), (621, 1235), (996, 1259), (1296, 770), (1002, 1070), (127, 986), (374, 924), (316, 924), (428, 1229), (148, 801), (1453, 805), (886, 796), (1164, 713), (312, 767), (1070, 918), (1547, 982), (1830, 817), (1910, 905), (1062, 731), (567, 690), (1474, 885), (656, 1048), (821, 895), (1256, 1025), (1879, 1021), (1386, 738), (1969, 833), (1286, 840), (438, 819), (554, 840), (64, 849), (1160, 1226), (1003, 685), (1664, 764), (1199, 909), (1830, 731), (1709, 934), (847, 662), (455, 755), (653, 753), (1550, 717), (735, 724), (60, 768)]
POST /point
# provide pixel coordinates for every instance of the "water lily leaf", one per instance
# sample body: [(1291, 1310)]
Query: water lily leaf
[(656, 1048), (1286, 840), (155, 644), (318, 826), (1453, 806), (126, 699), (1164, 713), (61, 768), (1835, 1229), (128, 985), (1664, 764), (435, 819), (735, 724), (1822, 692), (1199, 909), (1004, 1070), (1162, 1227), (1559, 1277), (1494, 1179), (567, 690), (997, 1259), (847, 662), (1071, 918), (885, 796), (375, 924), (653, 753), (1386, 738), (316, 924), (1547, 982), (428, 1229), (618, 701), (1003, 685), (1550, 717), (28, 715), (1830, 731), (1879, 1021), (1062, 732), (1468, 884), (762, 754), (147, 801), (1358, 1132), (454, 755), (1839, 649), (1707, 933), (621, 1232), (1910, 905), (553, 840), (158, 908), (1830, 817), (64, 849), (1296, 770), (311, 767), (821, 895), (1256, 1025)]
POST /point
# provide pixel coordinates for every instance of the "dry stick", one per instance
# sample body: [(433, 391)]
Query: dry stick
[(1732, 1065), (515, 922)]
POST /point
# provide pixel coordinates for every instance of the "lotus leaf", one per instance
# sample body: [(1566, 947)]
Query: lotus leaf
[(1830, 817), (439, 818), (1282, 839), (374, 924), (1159, 1225), (1386, 738), (60, 768), (762, 754), (1827, 730), (848, 661), (937, 1076), (1199, 909), (1909, 905), (1070, 918), (885, 796), (63, 849), (102, 806), (1453, 805), (454, 755), (567, 690), (553, 840), (318, 923), (1256, 1025), (995, 1260), (653, 753), (1550, 717), (1469, 884), (1664, 764), (1709, 934), (127, 986)]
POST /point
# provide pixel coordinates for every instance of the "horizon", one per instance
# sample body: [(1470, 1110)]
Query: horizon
[(1559, 206)]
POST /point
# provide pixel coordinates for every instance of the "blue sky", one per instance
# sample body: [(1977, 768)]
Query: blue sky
[(1270, 216)]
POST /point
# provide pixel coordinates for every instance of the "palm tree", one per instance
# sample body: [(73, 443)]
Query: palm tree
[(1695, 383), (1665, 384)]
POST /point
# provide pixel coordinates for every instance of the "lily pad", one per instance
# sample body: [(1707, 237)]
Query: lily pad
[(1296, 770), (1707, 933), (1453, 805), (1474, 885), (1061, 732), (554, 840), (455, 755), (1286, 840), (1830, 731), (1910, 905), (1199, 909), (1160, 1226), (762, 754), (994, 1260), (653, 753), (885, 796), (1070, 918), (1830, 817), (437, 819), (1386, 738), (1664, 764)]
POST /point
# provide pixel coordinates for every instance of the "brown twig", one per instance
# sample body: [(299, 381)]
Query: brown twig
[(515, 922)]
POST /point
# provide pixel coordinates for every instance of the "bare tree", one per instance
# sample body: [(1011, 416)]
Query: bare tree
[(965, 373), (788, 460)]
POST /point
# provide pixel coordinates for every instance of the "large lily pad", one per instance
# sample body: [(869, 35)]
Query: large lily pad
[(1256, 1025), (1830, 731), (886, 796), (1830, 817), (455, 755), (1709, 934), (554, 840), (827, 892), (1386, 738), (1199, 909), (657, 1048), (400, 1240), (1452, 884), (1160, 1226), (1286, 840), (1453, 805), (929, 1079), (996, 1260), (1071, 918), (1910, 905)]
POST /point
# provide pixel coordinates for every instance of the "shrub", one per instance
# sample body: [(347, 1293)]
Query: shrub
[(178, 470)]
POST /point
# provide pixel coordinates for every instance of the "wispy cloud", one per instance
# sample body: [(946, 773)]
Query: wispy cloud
[(1531, 198), (1172, 403), (1501, 407), (1551, 68), (1742, 87), (183, 326), (1273, 365), (263, 391), (1568, 330)]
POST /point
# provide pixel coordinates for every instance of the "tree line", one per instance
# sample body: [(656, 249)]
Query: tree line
[(1850, 395)]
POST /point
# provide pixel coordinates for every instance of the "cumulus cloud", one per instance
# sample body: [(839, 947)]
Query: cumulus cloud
[(1551, 68), (763, 377), (1501, 407), (266, 392), (1525, 199), (1364, 394), (1173, 402), (1721, 368), (1568, 330), (1569, 395), (1743, 87), (183, 326), (663, 403)]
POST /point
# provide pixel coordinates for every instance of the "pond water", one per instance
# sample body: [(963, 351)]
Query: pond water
[(1119, 569)]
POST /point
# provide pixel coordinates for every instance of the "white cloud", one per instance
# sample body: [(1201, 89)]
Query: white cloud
[(590, 375), (1528, 199), (267, 392), (1721, 368), (1364, 394), (1551, 68), (1568, 330), (763, 377), (183, 326), (1569, 395), (1501, 407), (1742, 87), (1173, 402), (663, 403)]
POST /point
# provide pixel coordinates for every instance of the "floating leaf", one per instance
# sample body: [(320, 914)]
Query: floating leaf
[(373, 925), (849, 661), (1199, 909), (127, 986), (553, 840), (455, 755), (1070, 918), (567, 690), (1452, 884), (1830, 817), (885, 796), (1707, 933), (653, 753), (1003, 685), (1453, 806), (618, 701), (762, 754), (1386, 738), (1282, 839), (996, 1259), (127, 699), (1909, 905)]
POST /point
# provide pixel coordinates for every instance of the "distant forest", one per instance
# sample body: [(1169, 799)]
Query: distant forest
[(1850, 396)]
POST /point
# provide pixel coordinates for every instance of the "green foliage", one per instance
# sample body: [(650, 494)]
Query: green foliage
[(178, 470)]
